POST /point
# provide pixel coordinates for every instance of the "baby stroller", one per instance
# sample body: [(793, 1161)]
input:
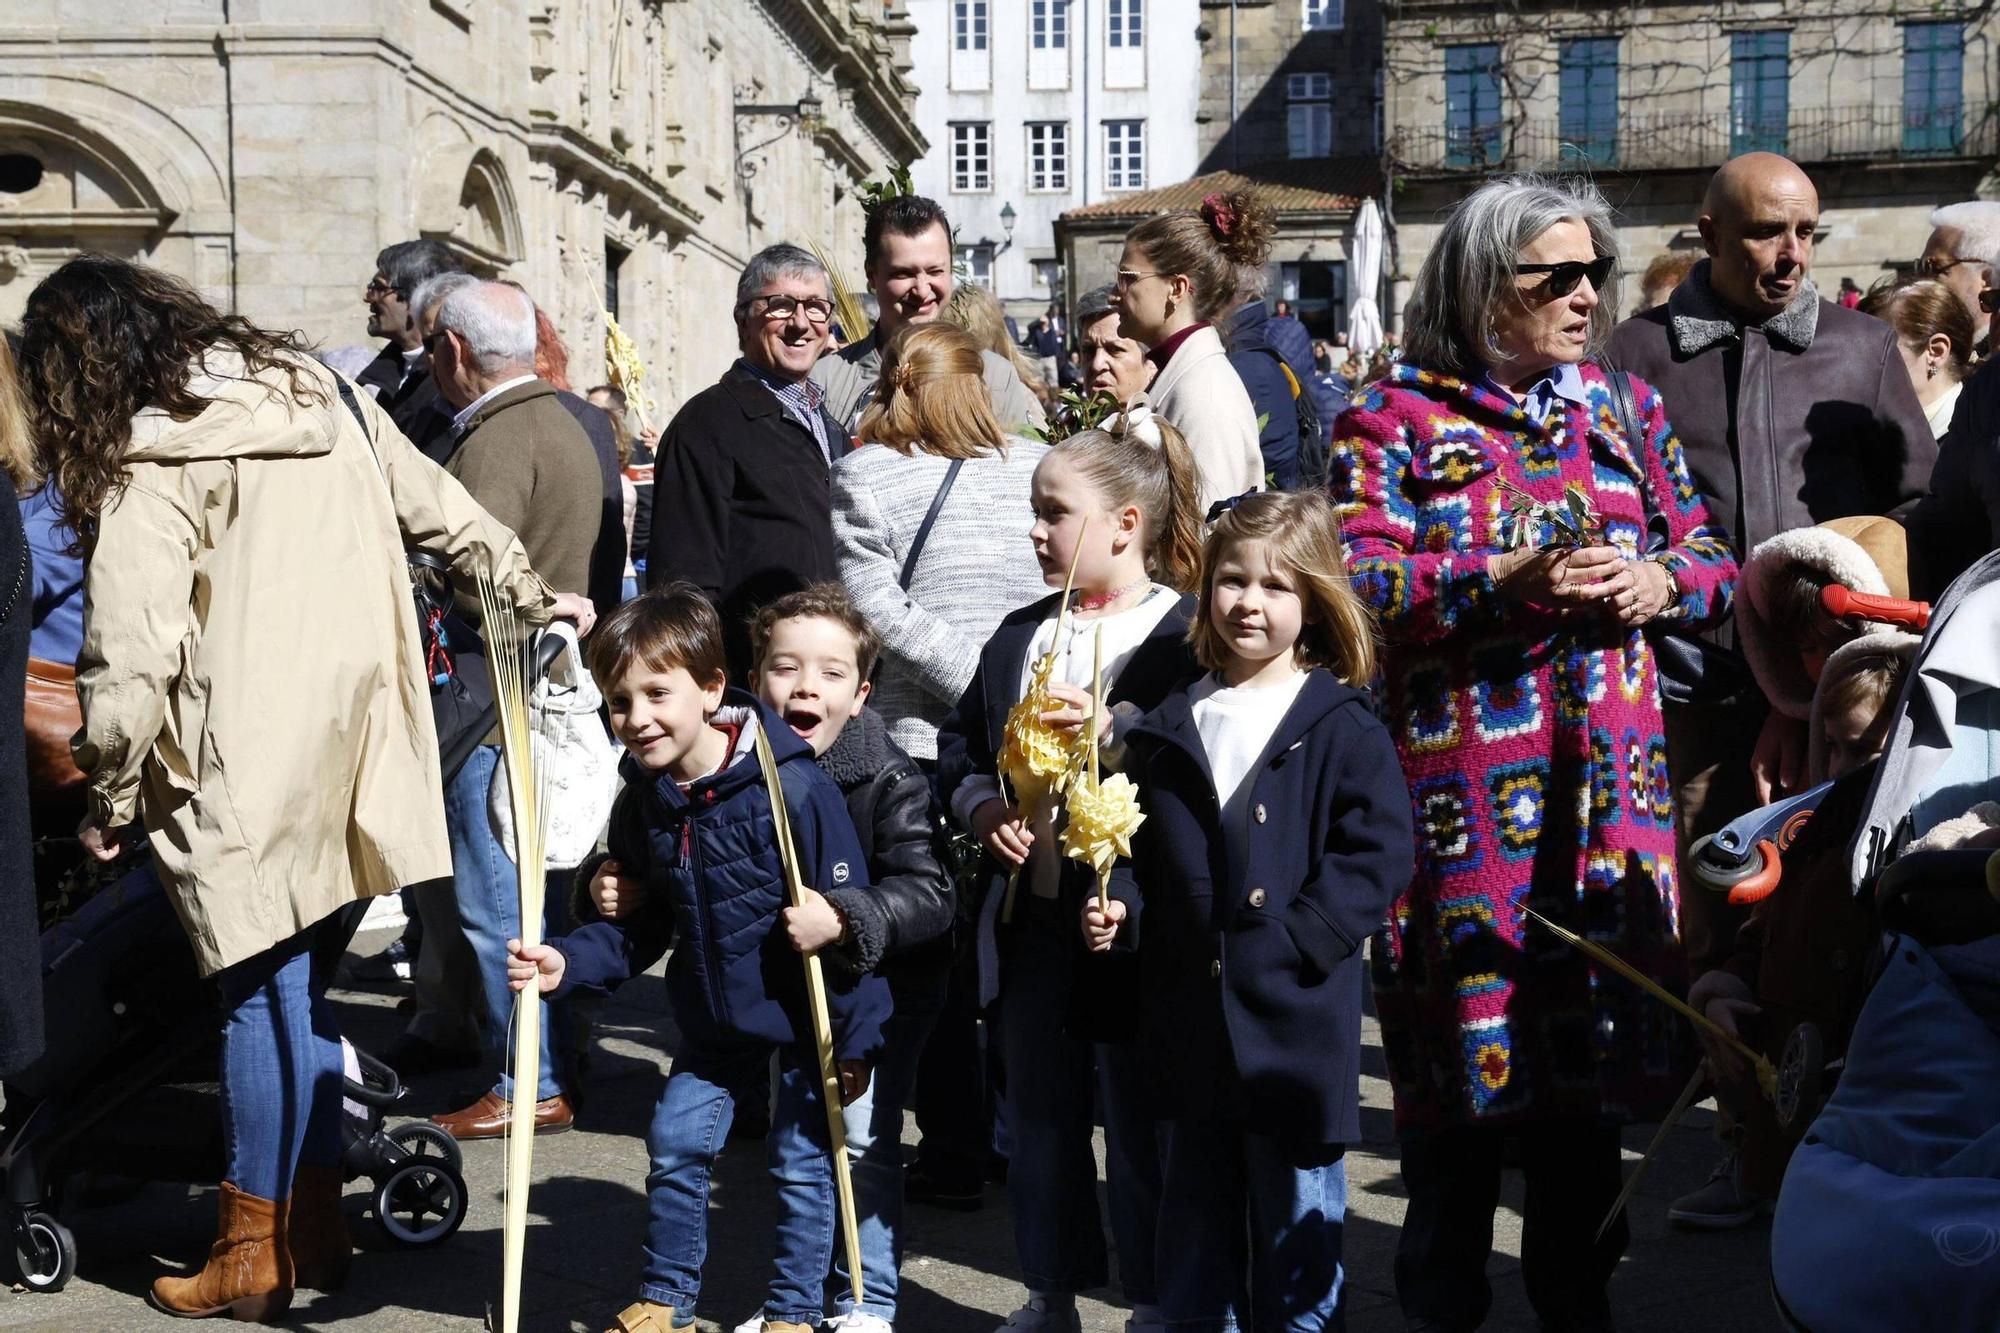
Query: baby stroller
[(1889, 1215), (132, 1035)]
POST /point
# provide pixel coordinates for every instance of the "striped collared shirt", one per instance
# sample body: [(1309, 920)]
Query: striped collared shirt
[(801, 400)]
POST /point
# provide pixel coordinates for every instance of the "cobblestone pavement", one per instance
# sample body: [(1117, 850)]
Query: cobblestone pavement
[(588, 1209)]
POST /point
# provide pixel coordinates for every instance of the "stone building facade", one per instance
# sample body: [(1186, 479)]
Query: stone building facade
[(1890, 111), (1289, 81), (624, 154)]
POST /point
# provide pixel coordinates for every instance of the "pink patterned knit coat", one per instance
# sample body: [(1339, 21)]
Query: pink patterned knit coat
[(1533, 747)]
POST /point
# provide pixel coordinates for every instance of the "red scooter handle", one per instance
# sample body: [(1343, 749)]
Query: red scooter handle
[(1841, 603)]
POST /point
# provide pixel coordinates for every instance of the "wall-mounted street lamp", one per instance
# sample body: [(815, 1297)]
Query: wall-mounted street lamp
[(1007, 218), (805, 116)]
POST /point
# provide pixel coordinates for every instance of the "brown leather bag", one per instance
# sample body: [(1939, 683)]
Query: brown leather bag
[(53, 718)]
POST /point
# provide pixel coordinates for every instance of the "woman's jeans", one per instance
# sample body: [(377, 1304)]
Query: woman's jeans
[(874, 1123), (281, 1062), (1279, 1273), (489, 911), (1053, 1085), (690, 1125)]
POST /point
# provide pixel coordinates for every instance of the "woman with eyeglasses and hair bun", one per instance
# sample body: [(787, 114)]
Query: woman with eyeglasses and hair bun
[(1516, 531), (1178, 273)]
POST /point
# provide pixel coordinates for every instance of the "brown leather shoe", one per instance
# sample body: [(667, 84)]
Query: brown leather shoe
[(316, 1230), (491, 1116), (248, 1274)]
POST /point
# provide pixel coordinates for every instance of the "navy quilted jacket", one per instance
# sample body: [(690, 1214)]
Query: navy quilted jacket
[(715, 887)]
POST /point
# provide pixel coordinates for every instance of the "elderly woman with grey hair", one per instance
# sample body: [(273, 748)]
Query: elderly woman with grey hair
[(743, 499), (1517, 528)]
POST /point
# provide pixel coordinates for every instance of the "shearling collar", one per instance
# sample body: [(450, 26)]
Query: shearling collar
[(860, 752), (1697, 319)]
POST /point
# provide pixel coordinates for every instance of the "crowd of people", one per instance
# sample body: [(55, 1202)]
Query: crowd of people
[(1503, 616)]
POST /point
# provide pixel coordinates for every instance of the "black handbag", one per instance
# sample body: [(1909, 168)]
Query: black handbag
[(1683, 663)]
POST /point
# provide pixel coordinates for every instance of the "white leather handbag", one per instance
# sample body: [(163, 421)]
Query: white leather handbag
[(579, 759)]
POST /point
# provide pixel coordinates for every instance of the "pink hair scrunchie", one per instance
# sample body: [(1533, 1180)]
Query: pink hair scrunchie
[(1219, 214)]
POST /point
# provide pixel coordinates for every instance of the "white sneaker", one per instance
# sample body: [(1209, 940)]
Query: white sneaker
[(754, 1324), (859, 1321), (1035, 1318)]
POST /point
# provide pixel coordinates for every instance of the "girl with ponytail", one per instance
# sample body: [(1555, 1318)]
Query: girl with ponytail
[(1179, 272), (1277, 831), (1124, 503)]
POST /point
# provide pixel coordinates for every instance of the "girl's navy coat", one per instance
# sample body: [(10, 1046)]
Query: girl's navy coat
[(1249, 936), (970, 740), (715, 887)]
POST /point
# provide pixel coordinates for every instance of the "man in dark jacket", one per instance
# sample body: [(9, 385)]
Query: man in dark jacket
[(743, 508), (1273, 357), (399, 376), (1792, 411)]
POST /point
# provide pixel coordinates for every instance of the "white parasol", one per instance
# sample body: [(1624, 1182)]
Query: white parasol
[(1364, 273)]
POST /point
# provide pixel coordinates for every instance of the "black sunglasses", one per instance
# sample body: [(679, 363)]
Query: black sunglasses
[(1564, 277)]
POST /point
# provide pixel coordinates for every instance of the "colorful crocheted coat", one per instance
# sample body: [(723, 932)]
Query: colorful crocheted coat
[(1533, 747)]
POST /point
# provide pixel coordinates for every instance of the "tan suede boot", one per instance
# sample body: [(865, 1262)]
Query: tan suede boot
[(316, 1230), (248, 1274)]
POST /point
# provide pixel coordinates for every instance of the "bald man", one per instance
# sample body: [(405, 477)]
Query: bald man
[(1793, 411)]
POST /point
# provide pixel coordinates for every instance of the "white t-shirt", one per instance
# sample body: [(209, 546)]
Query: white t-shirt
[(1124, 631), (1236, 723)]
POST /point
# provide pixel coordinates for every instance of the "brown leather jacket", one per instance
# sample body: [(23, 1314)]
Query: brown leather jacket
[(1808, 417)]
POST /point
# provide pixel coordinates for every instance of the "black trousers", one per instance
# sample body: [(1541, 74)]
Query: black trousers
[(1453, 1177)]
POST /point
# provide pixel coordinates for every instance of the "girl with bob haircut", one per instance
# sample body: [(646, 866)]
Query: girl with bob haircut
[(1179, 272), (928, 516), (1122, 503), (1522, 689), (1277, 831)]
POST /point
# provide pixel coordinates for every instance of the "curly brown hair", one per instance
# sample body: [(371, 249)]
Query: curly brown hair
[(101, 340), (1211, 245)]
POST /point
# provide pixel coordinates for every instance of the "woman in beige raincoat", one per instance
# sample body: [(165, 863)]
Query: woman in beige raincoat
[(253, 696)]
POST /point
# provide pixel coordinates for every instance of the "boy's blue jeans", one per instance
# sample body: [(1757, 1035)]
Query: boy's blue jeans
[(489, 911), (1250, 1234), (874, 1123), (281, 1063), (690, 1125)]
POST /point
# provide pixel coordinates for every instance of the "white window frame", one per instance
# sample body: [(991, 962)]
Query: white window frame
[(1309, 115), (1323, 15), (1048, 20), (1124, 154), (1048, 156), (970, 26), (972, 157), (1125, 24)]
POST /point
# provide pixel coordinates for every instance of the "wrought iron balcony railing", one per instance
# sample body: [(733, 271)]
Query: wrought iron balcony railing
[(1697, 139)]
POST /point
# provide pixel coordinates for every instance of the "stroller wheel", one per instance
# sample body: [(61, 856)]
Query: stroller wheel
[(1801, 1071), (420, 1203), (1717, 870), (425, 1141), (44, 1252)]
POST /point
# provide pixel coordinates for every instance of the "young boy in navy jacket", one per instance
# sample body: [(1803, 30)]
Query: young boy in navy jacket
[(694, 826), (813, 653)]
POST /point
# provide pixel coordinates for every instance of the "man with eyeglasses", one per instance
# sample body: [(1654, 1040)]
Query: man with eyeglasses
[(906, 249), (1792, 411), (1963, 244), (400, 375), (742, 490)]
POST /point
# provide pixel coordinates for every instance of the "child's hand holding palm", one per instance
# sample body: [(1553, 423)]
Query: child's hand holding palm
[(541, 963), (1100, 928)]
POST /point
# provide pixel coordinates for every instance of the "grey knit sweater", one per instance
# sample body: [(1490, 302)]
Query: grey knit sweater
[(976, 566)]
